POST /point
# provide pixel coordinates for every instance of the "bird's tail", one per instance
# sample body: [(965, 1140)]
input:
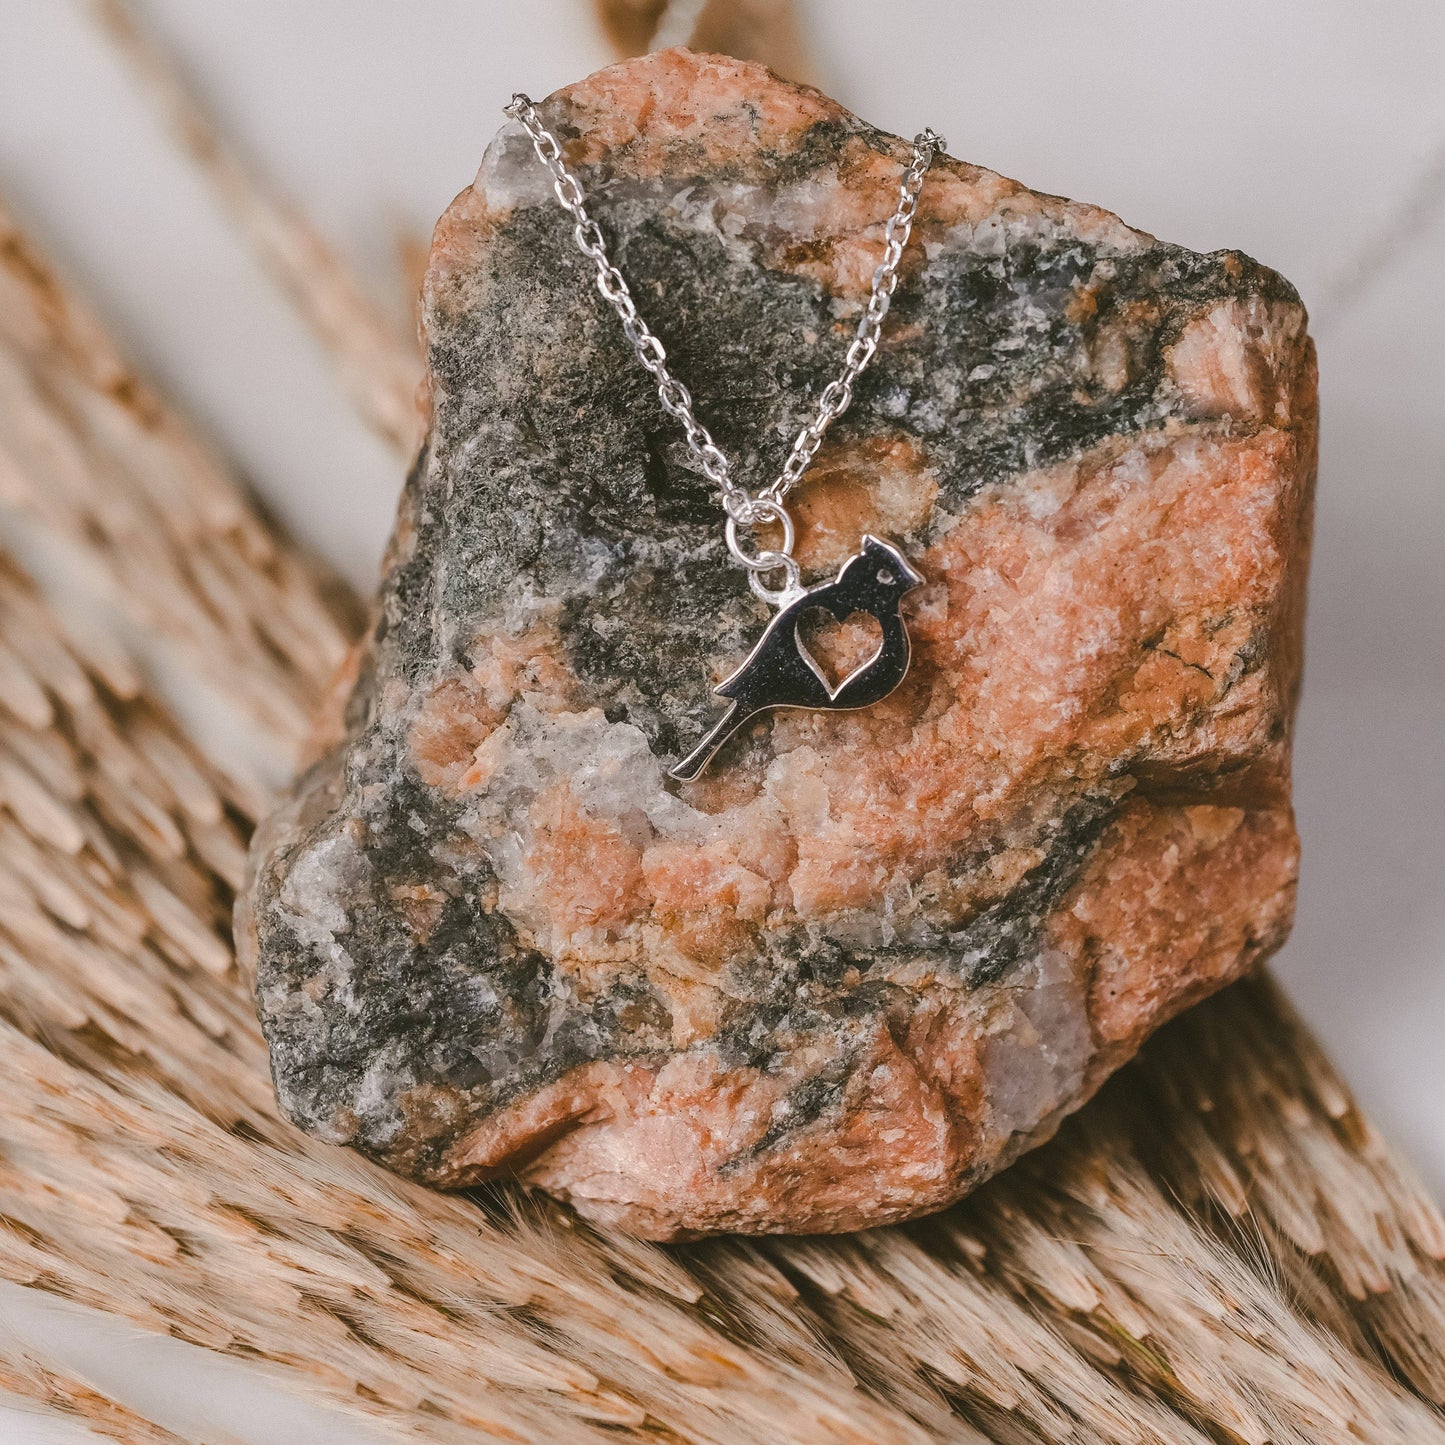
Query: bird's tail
[(698, 759)]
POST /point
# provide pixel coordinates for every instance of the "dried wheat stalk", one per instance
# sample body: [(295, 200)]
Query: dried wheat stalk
[(24, 1376), (1219, 1248), (629, 25), (378, 361), (94, 456), (765, 30)]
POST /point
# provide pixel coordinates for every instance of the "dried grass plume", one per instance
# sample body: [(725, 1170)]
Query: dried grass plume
[(1219, 1248)]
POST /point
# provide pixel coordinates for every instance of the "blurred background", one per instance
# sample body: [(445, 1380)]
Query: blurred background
[(1309, 133)]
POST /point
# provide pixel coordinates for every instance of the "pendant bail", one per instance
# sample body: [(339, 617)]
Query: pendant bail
[(759, 564)]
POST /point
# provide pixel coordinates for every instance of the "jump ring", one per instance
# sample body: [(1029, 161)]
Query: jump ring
[(761, 509), (776, 597)]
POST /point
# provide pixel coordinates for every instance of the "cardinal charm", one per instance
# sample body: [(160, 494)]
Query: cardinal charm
[(781, 672)]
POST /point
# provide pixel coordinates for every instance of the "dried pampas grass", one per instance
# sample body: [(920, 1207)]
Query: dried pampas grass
[(1218, 1248)]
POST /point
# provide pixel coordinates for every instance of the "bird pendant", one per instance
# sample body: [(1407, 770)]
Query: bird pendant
[(781, 672)]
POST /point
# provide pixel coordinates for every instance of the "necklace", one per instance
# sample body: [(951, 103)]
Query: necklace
[(780, 671)]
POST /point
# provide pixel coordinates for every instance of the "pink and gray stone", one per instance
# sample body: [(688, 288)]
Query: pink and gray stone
[(869, 957)]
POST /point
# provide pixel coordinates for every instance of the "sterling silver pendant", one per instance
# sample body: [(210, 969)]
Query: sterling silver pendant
[(781, 672)]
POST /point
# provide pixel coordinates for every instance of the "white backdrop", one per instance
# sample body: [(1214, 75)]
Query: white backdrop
[(1310, 133)]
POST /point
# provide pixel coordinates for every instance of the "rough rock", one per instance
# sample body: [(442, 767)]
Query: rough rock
[(870, 957)]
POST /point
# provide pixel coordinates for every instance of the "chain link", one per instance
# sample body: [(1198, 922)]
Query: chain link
[(742, 508)]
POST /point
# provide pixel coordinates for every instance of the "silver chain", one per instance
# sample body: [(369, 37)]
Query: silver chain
[(743, 509)]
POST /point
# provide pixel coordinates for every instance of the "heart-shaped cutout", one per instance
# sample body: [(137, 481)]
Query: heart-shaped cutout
[(838, 650)]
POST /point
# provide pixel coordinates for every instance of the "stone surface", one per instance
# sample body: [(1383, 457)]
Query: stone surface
[(871, 957)]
